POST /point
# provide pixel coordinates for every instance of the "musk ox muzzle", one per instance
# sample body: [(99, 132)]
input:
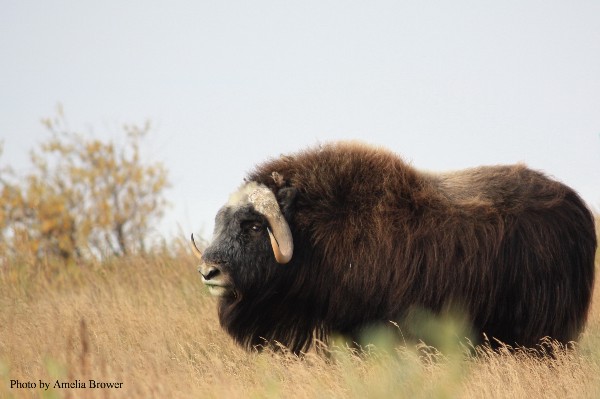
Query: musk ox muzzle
[(218, 283)]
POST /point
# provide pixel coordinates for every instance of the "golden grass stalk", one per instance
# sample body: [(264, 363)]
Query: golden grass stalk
[(147, 322)]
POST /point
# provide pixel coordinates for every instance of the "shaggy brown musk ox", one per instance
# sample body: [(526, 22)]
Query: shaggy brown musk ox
[(343, 236)]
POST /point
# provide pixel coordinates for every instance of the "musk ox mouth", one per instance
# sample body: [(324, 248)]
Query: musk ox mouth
[(218, 287), (218, 290)]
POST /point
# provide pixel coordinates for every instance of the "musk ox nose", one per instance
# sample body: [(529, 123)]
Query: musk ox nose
[(208, 272)]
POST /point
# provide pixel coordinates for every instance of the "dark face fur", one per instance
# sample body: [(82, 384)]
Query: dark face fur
[(240, 257)]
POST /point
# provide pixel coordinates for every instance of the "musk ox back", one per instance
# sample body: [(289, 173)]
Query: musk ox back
[(340, 237)]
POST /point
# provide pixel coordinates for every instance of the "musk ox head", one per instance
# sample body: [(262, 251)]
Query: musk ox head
[(251, 240)]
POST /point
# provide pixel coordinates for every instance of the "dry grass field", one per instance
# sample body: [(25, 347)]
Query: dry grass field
[(147, 324)]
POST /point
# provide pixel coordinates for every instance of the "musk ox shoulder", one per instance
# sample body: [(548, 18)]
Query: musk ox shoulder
[(340, 237)]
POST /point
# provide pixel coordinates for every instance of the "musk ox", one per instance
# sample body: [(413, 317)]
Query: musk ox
[(336, 238)]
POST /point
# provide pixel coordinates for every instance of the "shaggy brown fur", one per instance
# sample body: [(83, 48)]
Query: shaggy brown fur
[(376, 238)]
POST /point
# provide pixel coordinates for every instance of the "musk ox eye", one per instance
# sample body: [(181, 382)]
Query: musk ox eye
[(252, 227)]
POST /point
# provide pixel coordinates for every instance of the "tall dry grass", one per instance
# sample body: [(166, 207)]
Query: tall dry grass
[(148, 323)]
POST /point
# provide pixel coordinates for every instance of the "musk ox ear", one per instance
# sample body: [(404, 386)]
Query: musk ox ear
[(264, 201), (287, 200)]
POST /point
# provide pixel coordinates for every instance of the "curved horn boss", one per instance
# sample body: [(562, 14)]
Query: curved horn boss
[(264, 202)]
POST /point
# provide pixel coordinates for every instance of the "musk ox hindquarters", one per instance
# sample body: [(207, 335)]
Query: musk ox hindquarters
[(340, 237)]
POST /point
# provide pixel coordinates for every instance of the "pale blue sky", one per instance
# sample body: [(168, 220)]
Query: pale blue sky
[(229, 83)]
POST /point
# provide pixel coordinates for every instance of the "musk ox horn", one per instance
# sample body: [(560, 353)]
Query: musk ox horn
[(195, 249), (282, 242)]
